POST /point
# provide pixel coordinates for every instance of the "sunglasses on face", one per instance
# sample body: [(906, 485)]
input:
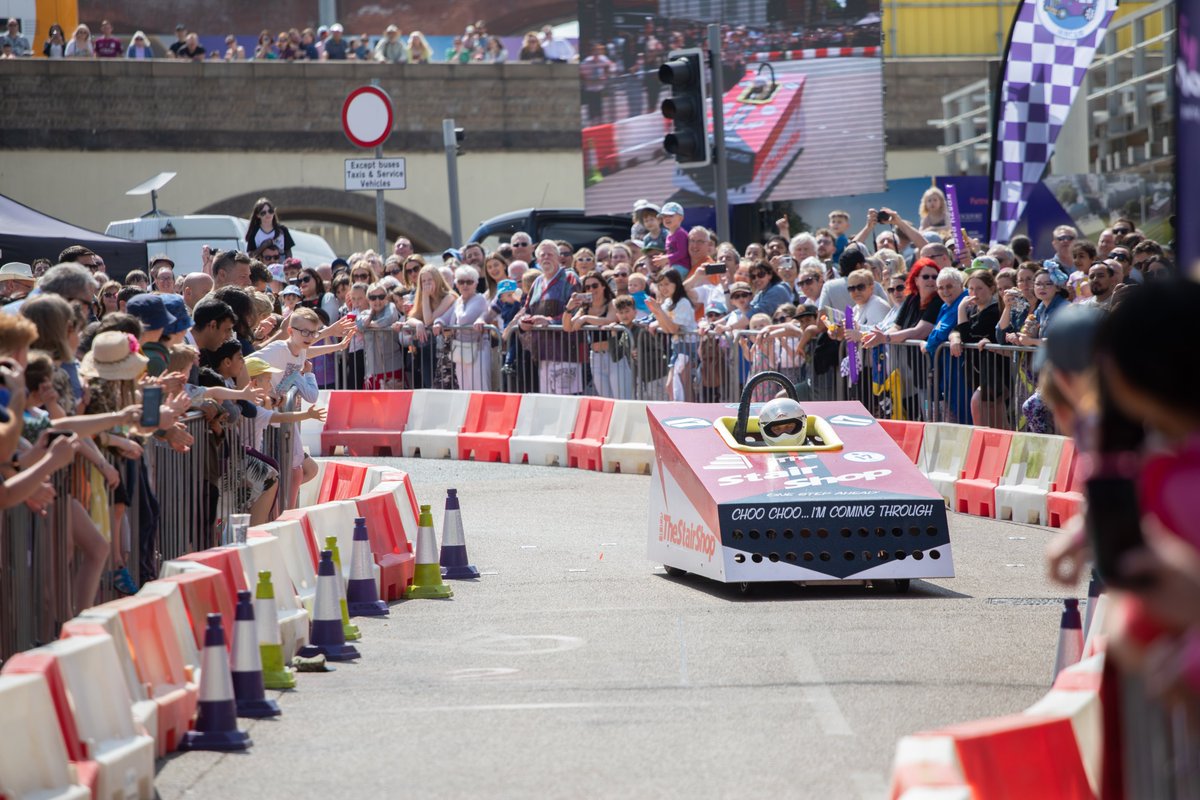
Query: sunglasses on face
[(622, 274), (464, 282), (1064, 238), (396, 271), (377, 298), (1120, 231), (757, 275), (564, 253), (928, 277), (306, 279), (858, 287), (365, 276), (521, 244), (809, 281), (896, 289), (109, 296), (266, 212), (1118, 256), (585, 259), (411, 270), (591, 287), (740, 295)]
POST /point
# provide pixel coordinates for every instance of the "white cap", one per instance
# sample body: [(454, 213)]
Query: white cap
[(336, 28)]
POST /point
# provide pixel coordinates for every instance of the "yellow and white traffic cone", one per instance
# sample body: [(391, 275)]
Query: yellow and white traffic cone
[(270, 646), (427, 577), (351, 632)]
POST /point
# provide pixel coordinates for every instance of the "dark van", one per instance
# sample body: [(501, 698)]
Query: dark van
[(569, 224)]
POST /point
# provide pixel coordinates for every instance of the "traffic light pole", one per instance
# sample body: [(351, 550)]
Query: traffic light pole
[(718, 112)]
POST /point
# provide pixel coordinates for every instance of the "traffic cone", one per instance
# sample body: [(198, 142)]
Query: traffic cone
[(247, 664), (427, 577), (327, 637), (216, 718), (362, 594), (351, 632), (1070, 638), (1095, 588), (270, 647), (454, 543)]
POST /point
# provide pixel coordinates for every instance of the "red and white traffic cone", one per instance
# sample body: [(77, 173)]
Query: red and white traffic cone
[(1070, 638), (362, 593), (454, 543), (247, 664), (327, 637), (216, 718)]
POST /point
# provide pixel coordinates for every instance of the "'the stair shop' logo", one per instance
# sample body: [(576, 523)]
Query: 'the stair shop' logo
[(685, 534)]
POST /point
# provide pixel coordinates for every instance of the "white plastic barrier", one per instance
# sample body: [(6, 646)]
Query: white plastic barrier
[(266, 552), (33, 758), (544, 425), (293, 542), (375, 476), (91, 671), (628, 445), (943, 452), (337, 519), (1032, 465), (434, 420)]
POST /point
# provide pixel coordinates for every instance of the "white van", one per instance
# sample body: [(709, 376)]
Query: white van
[(182, 238)]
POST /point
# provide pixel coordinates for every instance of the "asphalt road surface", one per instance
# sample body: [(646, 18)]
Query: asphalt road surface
[(576, 668)]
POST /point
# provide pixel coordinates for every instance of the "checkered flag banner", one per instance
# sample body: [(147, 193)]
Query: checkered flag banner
[(1050, 46)]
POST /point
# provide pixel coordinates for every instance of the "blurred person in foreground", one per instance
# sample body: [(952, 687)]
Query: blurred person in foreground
[(1136, 418)]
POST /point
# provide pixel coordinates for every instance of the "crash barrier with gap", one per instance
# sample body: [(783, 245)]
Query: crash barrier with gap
[(133, 679), (900, 381), (191, 497)]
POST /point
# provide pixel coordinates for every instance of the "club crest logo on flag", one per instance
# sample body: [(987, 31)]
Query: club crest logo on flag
[(1050, 47)]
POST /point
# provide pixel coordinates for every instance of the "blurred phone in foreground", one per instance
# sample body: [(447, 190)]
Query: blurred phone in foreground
[(151, 400), (1114, 525)]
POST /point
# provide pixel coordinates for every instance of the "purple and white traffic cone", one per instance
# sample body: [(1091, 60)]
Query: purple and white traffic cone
[(247, 664), (1070, 638), (362, 593), (454, 544), (327, 637), (216, 718)]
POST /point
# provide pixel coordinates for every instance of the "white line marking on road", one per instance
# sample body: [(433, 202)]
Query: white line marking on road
[(577, 570), (1014, 565), (554, 706), (818, 695), (529, 547), (608, 544), (1017, 538), (683, 665)]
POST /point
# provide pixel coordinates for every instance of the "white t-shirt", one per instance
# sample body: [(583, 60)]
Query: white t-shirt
[(682, 314), (291, 370)]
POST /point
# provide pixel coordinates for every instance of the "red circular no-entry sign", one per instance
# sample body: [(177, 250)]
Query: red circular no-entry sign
[(367, 116)]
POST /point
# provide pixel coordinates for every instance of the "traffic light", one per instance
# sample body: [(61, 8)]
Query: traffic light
[(684, 72)]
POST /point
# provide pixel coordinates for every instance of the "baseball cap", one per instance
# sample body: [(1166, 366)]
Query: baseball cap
[(642, 205), (506, 285), (806, 310), (162, 257), (289, 289), (339, 263), (986, 262), (336, 28), (651, 246), (256, 366), (671, 208), (181, 27), (715, 307), (1070, 349), (740, 286), (453, 253), (150, 309)]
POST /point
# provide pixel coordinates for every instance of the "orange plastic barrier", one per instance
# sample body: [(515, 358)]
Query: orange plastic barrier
[(389, 544), (226, 561), (366, 423), (155, 650), (343, 480), (1066, 493), (491, 417), (986, 457), (591, 429), (906, 434), (39, 662), (205, 593)]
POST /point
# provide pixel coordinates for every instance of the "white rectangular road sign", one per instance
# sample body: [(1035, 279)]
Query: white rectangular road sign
[(375, 173)]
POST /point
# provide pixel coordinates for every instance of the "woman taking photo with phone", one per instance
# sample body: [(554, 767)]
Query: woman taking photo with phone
[(592, 308), (673, 315)]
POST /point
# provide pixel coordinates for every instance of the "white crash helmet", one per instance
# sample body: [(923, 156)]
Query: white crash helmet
[(783, 423)]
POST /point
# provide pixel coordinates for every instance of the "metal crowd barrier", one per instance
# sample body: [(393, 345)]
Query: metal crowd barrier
[(183, 484), (1161, 746)]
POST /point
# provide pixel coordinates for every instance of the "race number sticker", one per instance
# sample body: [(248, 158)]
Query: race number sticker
[(864, 457), (687, 423)]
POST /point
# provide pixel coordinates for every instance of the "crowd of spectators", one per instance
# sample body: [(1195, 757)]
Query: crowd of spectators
[(475, 45)]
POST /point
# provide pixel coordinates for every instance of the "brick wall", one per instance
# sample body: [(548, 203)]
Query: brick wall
[(167, 105)]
